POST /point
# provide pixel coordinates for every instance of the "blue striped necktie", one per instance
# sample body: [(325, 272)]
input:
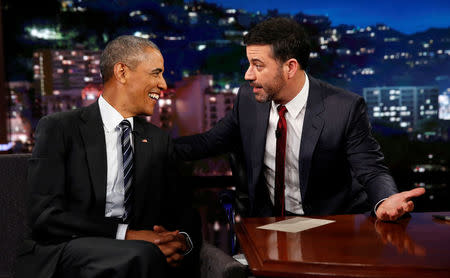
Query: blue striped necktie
[(128, 169)]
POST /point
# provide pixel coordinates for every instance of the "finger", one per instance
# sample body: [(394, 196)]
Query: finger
[(164, 239), (175, 246), (416, 192), (167, 250), (381, 214), (396, 213), (408, 206), (175, 260), (177, 257), (159, 229)]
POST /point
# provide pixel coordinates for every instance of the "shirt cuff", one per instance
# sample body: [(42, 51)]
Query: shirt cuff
[(189, 243), (377, 205), (121, 231)]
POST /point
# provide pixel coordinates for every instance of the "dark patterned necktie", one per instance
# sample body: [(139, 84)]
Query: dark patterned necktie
[(280, 162), (128, 169)]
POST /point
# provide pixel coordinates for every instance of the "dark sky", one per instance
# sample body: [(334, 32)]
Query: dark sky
[(408, 16)]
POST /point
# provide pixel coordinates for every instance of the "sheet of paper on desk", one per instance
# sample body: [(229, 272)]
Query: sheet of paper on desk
[(296, 224)]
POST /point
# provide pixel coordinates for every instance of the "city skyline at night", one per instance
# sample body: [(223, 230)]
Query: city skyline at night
[(405, 16), (210, 35)]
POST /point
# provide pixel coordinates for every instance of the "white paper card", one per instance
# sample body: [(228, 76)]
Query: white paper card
[(241, 258), (296, 224)]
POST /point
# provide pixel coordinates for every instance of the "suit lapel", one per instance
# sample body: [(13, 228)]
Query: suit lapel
[(259, 139), (94, 141), (312, 127), (143, 149)]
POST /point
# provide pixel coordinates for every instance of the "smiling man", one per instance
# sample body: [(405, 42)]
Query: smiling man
[(103, 201), (307, 145)]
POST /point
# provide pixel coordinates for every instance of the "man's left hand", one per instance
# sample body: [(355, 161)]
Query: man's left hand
[(173, 245), (398, 204)]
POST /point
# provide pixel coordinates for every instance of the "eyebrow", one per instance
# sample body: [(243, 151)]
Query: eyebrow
[(254, 60), (158, 70)]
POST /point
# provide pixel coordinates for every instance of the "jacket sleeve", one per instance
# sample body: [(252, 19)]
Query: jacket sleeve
[(183, 216), (49, 214), (365, 156)]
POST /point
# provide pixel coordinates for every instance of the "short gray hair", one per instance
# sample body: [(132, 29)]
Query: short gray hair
[(125, 49)]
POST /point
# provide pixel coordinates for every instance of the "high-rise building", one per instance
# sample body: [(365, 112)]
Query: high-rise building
[(20, 110), (165, 110), (404, 106), (61, 75), (190, 103), (216, 106), (444, 105), (199, 106)]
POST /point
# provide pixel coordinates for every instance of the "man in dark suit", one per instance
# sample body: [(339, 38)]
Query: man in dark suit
[(103, 197), (307, 145)]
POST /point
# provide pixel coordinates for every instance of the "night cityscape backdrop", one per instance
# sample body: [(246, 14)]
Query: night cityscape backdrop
[(394, 53)]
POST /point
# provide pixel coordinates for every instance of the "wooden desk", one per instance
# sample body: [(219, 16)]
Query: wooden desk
[(353, 246)]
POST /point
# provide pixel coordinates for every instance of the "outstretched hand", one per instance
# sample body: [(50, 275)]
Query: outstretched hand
[(398, 204)]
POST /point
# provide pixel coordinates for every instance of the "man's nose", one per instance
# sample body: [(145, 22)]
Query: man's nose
[(162, 84), (249, 75)]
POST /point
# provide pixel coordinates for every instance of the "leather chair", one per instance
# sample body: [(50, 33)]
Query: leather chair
[(214, 263)]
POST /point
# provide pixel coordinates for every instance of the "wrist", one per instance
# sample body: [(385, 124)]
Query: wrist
[(130, 234), (188, 243)]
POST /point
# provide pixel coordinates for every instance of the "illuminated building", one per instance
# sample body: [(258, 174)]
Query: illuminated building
[(216, 106), (199, 106), (90, 94), (190, 103), (165, 110), (404, 106), (444, 105), (20, 112), (61, 75)]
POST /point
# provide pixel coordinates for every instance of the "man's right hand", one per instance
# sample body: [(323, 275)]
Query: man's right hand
[(151, 236)]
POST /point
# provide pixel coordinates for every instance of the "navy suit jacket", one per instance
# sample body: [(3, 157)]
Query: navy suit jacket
[(67, 179), (341, 168)]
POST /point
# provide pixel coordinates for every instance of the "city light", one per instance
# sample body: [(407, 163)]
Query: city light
[(44, 33), (141, 35)]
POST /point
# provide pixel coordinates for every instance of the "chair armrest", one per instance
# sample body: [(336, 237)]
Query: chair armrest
[(214, 263)]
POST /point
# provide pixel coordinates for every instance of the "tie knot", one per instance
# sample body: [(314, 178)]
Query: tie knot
[(125, 124), (281, 110)]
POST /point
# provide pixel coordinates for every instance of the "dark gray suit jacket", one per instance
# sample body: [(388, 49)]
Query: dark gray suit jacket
[(341, 166), (67, 178)]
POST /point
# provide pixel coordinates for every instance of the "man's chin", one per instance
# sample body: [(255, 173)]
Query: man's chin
[(262, 98)]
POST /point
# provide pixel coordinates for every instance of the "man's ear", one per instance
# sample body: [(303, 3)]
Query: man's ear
[(292, 67), (120, 72)]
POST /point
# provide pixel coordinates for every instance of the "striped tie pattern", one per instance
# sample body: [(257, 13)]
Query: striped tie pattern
[(128, 167)]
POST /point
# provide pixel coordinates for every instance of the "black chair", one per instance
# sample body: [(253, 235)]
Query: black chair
[(235, 202), (214, 263)]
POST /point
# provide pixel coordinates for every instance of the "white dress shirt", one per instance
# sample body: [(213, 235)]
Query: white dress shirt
[(115, 191), (114, 180), (294, 119)]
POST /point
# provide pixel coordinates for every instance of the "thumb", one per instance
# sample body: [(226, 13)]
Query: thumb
[(159, 229)]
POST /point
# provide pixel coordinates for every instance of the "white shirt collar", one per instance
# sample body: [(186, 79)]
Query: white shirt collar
[(110, 116), (295, 106)]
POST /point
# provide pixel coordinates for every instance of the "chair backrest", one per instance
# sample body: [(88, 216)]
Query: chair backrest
[(13, 192)]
